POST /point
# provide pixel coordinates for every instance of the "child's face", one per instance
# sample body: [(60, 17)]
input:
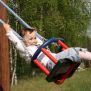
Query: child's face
[(30, 38)]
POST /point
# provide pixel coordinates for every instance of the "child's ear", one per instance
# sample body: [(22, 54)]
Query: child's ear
[(22, 33)]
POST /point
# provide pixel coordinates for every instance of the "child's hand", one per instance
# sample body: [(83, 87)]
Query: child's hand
[(6, 27)]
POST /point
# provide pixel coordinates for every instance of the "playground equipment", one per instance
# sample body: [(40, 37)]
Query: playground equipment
[(63, 69), (4, 58)]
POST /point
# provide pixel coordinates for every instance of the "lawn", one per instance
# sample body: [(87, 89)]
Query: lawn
[(80, 81)]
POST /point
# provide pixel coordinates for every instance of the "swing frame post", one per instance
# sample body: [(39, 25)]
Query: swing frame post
[(4, 56)]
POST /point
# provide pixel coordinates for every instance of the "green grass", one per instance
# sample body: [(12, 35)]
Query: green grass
[(80, 81)]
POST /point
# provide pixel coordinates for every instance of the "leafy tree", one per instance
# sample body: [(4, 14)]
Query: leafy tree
[(68, 19)]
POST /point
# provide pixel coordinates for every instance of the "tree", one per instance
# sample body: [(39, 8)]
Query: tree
[(68, 19)]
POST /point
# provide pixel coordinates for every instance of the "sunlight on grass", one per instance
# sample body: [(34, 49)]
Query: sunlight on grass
[(80, 81)]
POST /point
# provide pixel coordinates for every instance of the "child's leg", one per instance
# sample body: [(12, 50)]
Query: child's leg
[(85, 55), (74, 54), (70, 53)]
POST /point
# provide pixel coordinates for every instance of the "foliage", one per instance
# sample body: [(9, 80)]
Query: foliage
[(68, 19), (54, 18)]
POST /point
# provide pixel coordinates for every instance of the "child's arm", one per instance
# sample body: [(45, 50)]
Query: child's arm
[(13, 38), (18, 42), (6, 27)]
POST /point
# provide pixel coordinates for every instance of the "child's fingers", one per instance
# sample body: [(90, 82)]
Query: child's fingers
[(6, 27)]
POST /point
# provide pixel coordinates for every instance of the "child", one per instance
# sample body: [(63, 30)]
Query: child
[(28, 46)]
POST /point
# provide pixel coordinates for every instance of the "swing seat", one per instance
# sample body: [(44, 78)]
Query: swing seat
[(63, 69)]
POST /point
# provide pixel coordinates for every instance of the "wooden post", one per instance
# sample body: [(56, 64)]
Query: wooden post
[(4, 54)]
